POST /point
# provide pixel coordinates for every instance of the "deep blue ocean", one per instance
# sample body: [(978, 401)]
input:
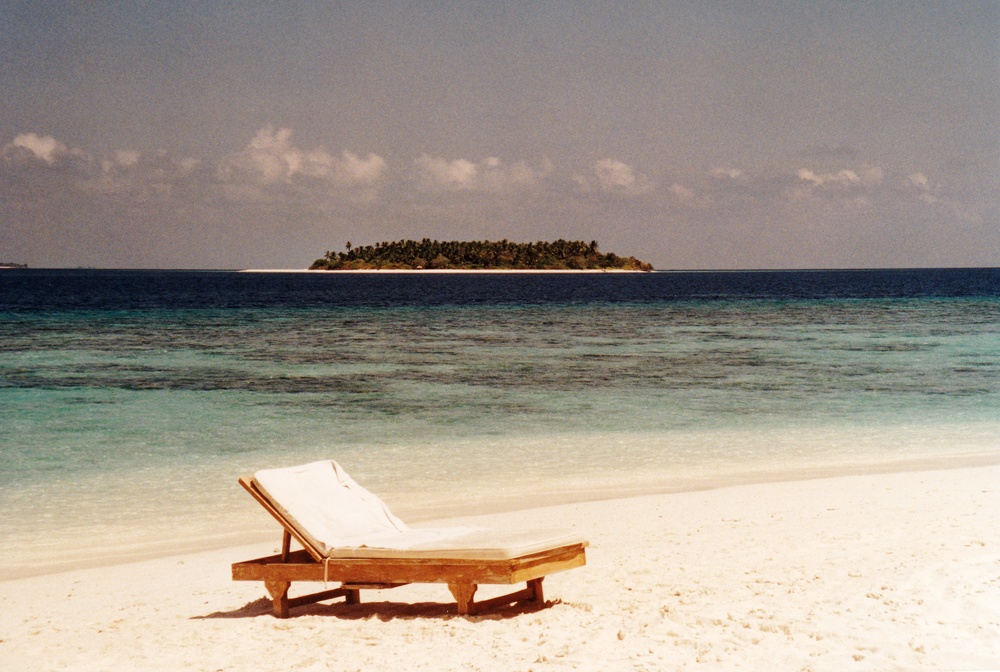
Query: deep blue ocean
[(130, 401)]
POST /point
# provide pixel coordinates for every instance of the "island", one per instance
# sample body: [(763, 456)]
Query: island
[(559, 255)]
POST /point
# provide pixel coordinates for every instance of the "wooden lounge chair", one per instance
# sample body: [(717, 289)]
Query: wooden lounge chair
[(348, 535)]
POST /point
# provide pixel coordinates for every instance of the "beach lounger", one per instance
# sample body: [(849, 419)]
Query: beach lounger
[(349, 536)]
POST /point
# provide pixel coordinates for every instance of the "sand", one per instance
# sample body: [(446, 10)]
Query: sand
[(878, 572)]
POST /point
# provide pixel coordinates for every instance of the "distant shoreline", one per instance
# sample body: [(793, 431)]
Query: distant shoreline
[(441, 271)]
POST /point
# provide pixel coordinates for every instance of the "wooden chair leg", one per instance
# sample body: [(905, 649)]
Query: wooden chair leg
[(535, 585), (279, 596), (464, 592), (282, 603)]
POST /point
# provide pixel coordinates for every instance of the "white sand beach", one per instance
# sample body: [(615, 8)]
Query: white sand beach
[(876, 572)]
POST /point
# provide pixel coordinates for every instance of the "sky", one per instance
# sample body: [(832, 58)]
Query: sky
[(692, 135)]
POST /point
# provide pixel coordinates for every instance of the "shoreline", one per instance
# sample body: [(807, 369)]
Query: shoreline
[(693, 483), (247, 526), (244, 524), (443, 271), (896, 570)]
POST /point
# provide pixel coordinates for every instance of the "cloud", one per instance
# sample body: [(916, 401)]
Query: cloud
[(866, 176), (143, 176), (128, 207), (127, 157), (730, 173), (271, 158), (74, 169), (682, 192), (33, 152), (852, 187), (349, 168), (615, 177), (309, 176), (490, 174), (868, 182), (926, 189), (457, 174), (42, 147), (121, 161)]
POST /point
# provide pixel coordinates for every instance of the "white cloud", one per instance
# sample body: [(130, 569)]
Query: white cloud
[(457, 174), (350, 168), (44, 147), (615, 177), (842, 177), (866, 176), (121, 160), (127, 157), (925, 188), (731, 173), (490, 174), (272, 158)]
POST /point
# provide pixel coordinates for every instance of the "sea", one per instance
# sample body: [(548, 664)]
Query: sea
[(131, 401)]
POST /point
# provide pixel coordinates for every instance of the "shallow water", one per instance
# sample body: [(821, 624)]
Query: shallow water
[(131, 401)]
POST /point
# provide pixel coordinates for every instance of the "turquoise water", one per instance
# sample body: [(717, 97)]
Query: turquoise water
[(123, 429)]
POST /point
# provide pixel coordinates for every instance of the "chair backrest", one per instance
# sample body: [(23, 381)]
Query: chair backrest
[(326, 506)]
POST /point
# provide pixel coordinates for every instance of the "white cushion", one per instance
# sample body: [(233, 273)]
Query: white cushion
[(332, 511)]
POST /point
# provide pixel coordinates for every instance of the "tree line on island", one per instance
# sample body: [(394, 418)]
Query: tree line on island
[(476, 255)]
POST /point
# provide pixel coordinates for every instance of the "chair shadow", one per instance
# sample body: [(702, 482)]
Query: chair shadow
[(384, 611)]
